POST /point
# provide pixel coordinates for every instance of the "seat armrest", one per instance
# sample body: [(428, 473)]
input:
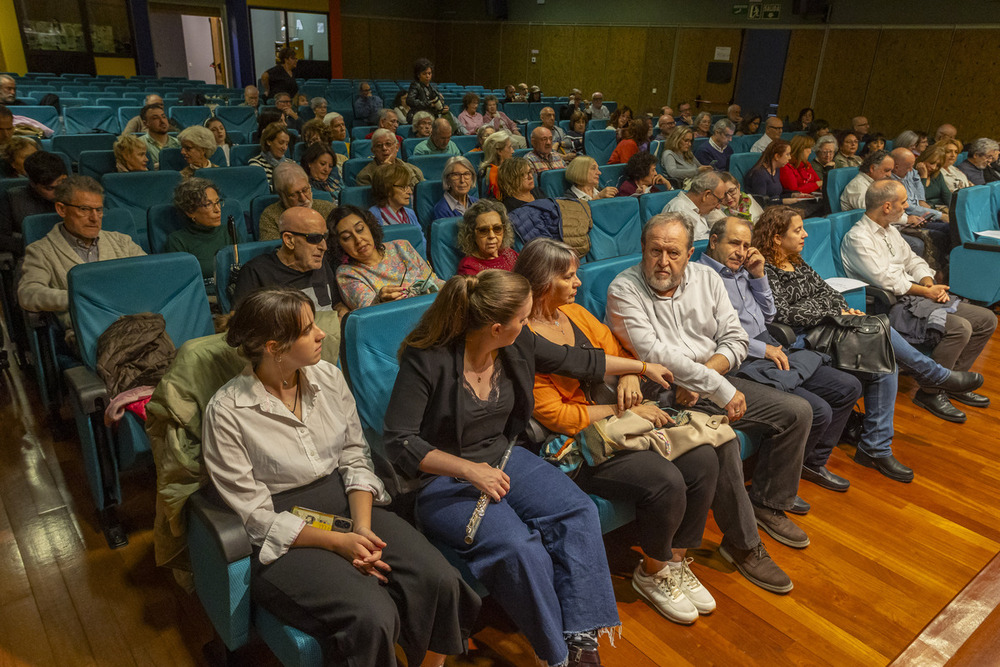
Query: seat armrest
[(878, 300), (988, 247), (87, 391), (783, 333), (603, 394), (6, 261), (536, 433), (223, 524)]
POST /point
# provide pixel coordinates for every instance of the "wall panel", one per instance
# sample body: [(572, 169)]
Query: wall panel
[(552, 68), (801, 65), (589, 61), (968, 85), (622, 72), (514, 54), (695, 50), (847, 64), (656, 69), (357, 46)]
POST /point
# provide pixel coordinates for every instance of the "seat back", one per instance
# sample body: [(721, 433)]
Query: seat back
[(974, 212), (239, 119), (517, 110), (445, 255), (741, 163), (224, 261), (165, 219), (101, 292), (597, 124), (651, 204), (360, 131), (836, 181), (188, 116), (119, 220), (818, 249), (595, 278), (465, 143), (352, 168), (600, 144), (412, 233), (87, 119), (75, 144), (840, 224), (553, 182), (617, 229), (611, 174), (46, 115), (425, 196), (137, 192), (240, 183), (240, 155), (362, 148), (743, 144), (127, 113), (171, 158), (372, 337), (432, 166), (96, 163), (357, 195)]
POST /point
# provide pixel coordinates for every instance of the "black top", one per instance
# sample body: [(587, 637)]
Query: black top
[(423, 98), (801, 297), (17, 204), (267, 271), (425, 412), (280, 81), (511, 203), (483, 421)]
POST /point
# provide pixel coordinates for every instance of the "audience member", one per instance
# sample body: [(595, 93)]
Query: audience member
[(274, 142), (716, 151), (130, 153), (203, 234), (45, 172), (291, 184), (423, 123), (78, 239), (820, 128), (916, 205), (222, 141), (337, 125), (735, 203), (640, 176), (704, 195), (314, 431), (289, 114), (764, 178), (197, 146), (773, 128), (251, 98), (534, 94), (619, 120), (387, 121), (392, 195), (676, 158), (875, 167), (367, 105), (597, 110), (499, 120), (315, 131), (913, 140), (982, 153), (945, 131), (804, 121), (385, 150), (498, 147), (542, 157), (369, 270), (567, 111), (573, 143), (548, 117), (482, 134), (400, 106), (876, 142), (485, 238), (516, 179), (13, 153), (873, 251), (798, 174), (665, 309), (279, 78), (135, 125), (861, 128), (702, 125), (749, 126), (954, 177), (584, 177), (320, 164), (470, 119), (684, 114), (936, 191), (8, 91), (734, 113), (423, 95), (457, 181), (847, 155), (634, 139), (823, 156), (666, 123), (300, 262), (439, 142), (511, 95), (318, 106), (157, 128)]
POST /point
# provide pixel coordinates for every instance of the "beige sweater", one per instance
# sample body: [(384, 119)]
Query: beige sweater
[(267, 229), (44, 286)]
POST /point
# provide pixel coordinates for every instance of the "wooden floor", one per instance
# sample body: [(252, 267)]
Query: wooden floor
[(885, 560)]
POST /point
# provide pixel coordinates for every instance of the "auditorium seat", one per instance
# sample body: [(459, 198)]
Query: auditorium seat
[(617, 230)]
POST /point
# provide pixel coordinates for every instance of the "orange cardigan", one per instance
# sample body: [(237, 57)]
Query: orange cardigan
[(625, 149), (560, 404)]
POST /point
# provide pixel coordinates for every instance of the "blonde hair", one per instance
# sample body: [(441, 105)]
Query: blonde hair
[(576, 172)]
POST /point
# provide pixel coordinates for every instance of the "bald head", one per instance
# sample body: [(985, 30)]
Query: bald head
[(946, 131), (541, 141), (903, 159), (860, 125), (441, 133), (548, 117), (303, 238), (300, 219)]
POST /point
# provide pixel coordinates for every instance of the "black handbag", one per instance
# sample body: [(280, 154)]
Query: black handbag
[(855, 343)]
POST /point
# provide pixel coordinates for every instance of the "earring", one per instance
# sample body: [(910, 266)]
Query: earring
[(284, 382)]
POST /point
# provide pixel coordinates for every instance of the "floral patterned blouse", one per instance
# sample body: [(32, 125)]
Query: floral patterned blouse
[(801, 297), (402, 265)]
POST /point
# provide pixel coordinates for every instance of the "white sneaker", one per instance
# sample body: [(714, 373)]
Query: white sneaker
[(663, 591), (694, 591)]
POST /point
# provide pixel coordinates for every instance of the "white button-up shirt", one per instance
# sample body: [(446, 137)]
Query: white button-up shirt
[(254, 447), (683, 204), (879, 256)]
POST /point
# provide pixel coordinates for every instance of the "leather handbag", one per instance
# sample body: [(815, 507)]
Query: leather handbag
[(855, 343)]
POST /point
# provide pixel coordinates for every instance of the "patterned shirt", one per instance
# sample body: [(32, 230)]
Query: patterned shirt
[(401, 265), (801, 297), (540, 164)]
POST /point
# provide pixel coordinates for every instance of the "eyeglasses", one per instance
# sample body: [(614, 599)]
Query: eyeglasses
[(732, 192), (311, 239), (460, 175), (218, 203), (496, 230), (301, 194), (86, 210), (386, 145), (404, 186)]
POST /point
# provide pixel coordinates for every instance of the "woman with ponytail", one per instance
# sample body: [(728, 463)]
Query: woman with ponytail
[(286, 433), (462, 396)]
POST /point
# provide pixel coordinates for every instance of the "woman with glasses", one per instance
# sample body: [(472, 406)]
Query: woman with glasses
[(393, 195), (370, 270), (735, 203), (458, 178), (197, 146), (485, 237), (203, 233)]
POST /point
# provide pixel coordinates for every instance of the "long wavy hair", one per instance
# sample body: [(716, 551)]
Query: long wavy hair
[(774, 221)]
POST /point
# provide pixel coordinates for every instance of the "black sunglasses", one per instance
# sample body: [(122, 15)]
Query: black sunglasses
[(311, 239)]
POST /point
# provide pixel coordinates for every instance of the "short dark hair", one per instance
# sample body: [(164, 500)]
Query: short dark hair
[(285, 53), (871, 160), (334, 252), (315, 152), (638, 166), (149, 107), (43, 167), (419, 65)]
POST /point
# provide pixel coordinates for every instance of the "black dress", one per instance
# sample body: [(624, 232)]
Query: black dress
[(280, 81)]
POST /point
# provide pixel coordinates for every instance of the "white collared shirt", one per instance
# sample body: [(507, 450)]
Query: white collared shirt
[(853, 196), (879, 256), (683, 204), (254, 447)]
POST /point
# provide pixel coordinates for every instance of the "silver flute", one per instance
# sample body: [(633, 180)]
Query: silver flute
[(477, 514)]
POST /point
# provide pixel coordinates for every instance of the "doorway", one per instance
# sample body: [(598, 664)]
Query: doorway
[(189, 42)]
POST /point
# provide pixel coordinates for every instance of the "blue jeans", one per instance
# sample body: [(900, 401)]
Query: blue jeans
[(880, 406), (539, 551), (924, 370)]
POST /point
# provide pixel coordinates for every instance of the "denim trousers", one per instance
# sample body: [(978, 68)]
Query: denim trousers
[(880, 407), (539, 551), (924, 370)]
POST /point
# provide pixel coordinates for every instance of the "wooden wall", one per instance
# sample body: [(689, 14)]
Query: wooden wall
[(909, 78)]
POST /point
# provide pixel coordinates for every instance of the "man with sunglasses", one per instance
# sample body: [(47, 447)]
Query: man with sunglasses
[(702, 197), (299, 262), (45, 171), (291, 184), (78, 239)]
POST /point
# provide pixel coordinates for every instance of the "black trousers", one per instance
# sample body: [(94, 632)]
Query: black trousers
[(425, 606)]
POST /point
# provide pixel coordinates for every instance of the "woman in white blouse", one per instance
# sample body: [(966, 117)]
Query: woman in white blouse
[(954, 178), (286, 433)]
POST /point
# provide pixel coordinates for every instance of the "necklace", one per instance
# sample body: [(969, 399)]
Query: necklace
[(479, 373), (295, 399), (555, 323)]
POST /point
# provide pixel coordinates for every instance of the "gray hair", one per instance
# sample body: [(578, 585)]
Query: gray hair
[(982, 146), (722, 125), (706, 180), (332, 115), (492, 147), (449, 167), (6, 78), (385, 111), (541, 261), (672, 217), (285, 173), (201, 137), (317, 102), (72, 184), (880, 193), (421, 115), (871, 160), (718, 229), (467, 225), (826, 139), (906, 139), (190, 194), (382, 132)]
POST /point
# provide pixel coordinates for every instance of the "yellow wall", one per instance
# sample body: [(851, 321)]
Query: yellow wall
[(11, 49), (121, 66)]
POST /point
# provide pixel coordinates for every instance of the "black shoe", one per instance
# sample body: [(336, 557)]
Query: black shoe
[(823, 477), (939, 406), (959, 381), (970, 398), (887, 465), (799, 507)]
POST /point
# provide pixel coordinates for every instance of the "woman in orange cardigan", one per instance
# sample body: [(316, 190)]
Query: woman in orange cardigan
[(672, 497)]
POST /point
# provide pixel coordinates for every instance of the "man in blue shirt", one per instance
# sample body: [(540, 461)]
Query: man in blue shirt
[(366, 105), (716, 151), (831, 393)]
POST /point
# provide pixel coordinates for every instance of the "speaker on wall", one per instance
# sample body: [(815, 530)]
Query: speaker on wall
[(719, 72), (496, 9)]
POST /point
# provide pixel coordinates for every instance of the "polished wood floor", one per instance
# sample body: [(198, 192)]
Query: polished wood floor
[(885, 560)]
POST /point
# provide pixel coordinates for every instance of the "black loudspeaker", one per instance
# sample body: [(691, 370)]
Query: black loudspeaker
[(496, 9), (719, 72), (810, 8)]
